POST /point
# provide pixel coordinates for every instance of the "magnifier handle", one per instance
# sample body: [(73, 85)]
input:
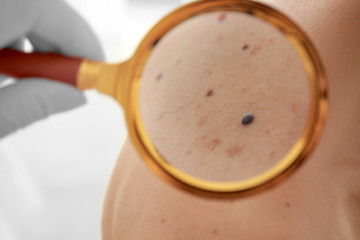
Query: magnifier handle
[(81, 73)]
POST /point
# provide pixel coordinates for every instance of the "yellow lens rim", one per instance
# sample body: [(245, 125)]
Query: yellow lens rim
[(129, 93)]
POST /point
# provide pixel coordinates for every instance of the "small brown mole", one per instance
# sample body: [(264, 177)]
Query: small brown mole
[(245, 47), (222, 17), (159, 77), (215, 232), (210, 93), (248, 118)]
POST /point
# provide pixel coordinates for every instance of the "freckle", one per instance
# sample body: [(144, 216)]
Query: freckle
[(202, 121), (202, 163), (189, 152), (210, 93), (208, 72), (160, 116), (220, 38), (267, 131), (214, 143), (178, 62), (162, 221), (288, 204), (198, 106), (294, 108), (244, 90), (159, 77), (215, 232), (271, 154), (180, 106), (222, 17), (256, 50), (234, 151), (245, 47), (203, 137)]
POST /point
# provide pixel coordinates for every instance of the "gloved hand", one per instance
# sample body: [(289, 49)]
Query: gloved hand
[(50, 26)]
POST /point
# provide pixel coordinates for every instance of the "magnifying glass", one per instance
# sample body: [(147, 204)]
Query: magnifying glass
[(222, 98)]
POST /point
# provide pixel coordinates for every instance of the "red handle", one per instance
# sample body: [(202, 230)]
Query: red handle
[(45, 65)]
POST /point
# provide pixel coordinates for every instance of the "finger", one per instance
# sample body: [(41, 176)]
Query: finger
[(58, 27), (26, 102), (50, 25), (16, 18)]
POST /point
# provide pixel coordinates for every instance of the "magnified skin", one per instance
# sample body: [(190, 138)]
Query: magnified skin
[(209, 81), (321, 201)]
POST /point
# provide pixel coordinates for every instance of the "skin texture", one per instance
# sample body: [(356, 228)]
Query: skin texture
[(321, 201)]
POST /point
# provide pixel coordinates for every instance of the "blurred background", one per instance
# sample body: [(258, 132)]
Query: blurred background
[(54, 173)]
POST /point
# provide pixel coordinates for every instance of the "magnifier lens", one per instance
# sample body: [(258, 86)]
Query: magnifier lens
[(224, 96)]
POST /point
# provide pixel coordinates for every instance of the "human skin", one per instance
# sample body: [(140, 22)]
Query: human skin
[(320, 201)]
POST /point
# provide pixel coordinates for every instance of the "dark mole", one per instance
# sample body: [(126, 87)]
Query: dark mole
[(245, 47), (210, 93), (248, 118), (155, 42), (222, 17), (159, 77)]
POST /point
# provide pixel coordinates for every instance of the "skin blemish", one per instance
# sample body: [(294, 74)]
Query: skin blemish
[(287, 204), (234, 151), (214, 143), (294, 108), (208, 72), (198, 106), (178, 62), (248, 118), (180, 106), (202, 121), (267, 132), (220, 38), (156, 42), (256, 50), (244, 90), (189, 152), (160, 116), (162, 221), (222, 17), (210, 93), (271, 154), (245, 47), (159, 77), (215, 232), (203, 137)]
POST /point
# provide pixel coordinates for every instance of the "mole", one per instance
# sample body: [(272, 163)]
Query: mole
[(248, 118), (210, 93)]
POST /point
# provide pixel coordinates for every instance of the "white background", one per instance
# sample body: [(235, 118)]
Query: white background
[(53, 173)]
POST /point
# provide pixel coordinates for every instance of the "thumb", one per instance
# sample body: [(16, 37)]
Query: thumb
[(50, 25)]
